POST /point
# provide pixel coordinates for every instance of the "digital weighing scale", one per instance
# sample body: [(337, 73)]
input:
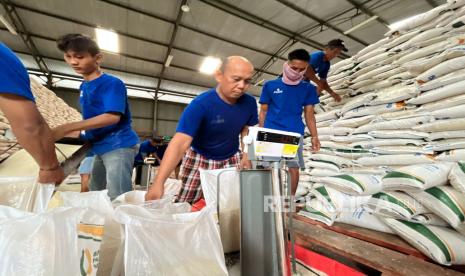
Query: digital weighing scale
[(264, 244)]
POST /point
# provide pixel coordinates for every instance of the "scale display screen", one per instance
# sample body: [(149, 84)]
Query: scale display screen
[(263, 136)]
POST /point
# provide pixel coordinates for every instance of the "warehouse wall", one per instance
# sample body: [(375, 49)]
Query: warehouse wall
[(141, 110)]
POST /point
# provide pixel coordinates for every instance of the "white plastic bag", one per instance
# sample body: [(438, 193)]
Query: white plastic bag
[(43, 244), (229, 203), (158, 243), (25, 193)]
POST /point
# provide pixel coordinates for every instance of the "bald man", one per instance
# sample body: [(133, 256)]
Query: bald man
[(208, 131)]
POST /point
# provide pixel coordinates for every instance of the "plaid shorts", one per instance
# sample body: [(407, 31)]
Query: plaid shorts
[(191, 191)]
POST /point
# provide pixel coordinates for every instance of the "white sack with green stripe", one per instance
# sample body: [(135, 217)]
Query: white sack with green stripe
[(322, 164), (395, 204), (354, 184), (395, 159), (336, 201), (317, 210), (340, 162), (417, 177), (363, 218), (430, 219), (457, 176), (441, 244), (445, 202), (452, 155)]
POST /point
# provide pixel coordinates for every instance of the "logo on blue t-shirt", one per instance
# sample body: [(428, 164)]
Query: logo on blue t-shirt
[(217, 120), (278, 91), (81, 93)]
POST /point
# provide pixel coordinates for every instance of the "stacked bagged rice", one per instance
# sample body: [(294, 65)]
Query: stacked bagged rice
[(54, 110), (393, 150)]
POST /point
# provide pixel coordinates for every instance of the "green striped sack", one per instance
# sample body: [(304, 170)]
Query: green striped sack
[(417, 177), (396, 205), (457, 176), (445, 202), (337, 201), (354, 184), (441, 244)]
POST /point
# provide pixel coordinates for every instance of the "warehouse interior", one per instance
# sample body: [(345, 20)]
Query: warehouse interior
[(385, 193)]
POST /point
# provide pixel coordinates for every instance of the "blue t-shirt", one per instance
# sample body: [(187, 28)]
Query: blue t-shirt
[(146, 148), (103, 95), (13, 76), (285, 104), (215, 125), (320, 65)]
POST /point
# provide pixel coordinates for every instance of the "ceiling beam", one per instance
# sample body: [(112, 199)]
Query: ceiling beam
[(368, 12), (203, 87), (224, 39), (168, 53), (254, 19), (20, 28), (320, 21), (129, 35)]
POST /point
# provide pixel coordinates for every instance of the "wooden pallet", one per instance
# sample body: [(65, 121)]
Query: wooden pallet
[(368, 251)]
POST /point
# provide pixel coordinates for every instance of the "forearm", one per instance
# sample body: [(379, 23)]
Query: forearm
[(261, 118), (99, 121), (326, 87), (38, 141), (30, 129), (174, 153), (311, 75), (311, 123)]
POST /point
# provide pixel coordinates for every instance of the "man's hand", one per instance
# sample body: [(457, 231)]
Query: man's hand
[(336, 97), (59, 132), (245, 162), (155, 192), (55, 176), (315, 144)]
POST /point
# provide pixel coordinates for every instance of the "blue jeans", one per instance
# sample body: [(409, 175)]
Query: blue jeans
[(113, 171)]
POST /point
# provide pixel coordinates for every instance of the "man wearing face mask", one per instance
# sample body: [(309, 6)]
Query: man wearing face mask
[(320, 63), (282, 102)]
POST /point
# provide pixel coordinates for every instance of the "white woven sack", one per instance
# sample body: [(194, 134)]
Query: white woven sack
[(447, 91), (373, 110), (354, 184), (452, 155), (417, 20), (442, 125), (445, 202), (417, 177), (441, 244), (321, 164), (423, 52), (394, 150), (449, 113), (394, 94), (386, 142), (401, 39), (351, 138), (390, 73), (434, 32), (340, 162), (394, 124), (334, 130), (447, 144), (457, 176), (400, 159), (372, 47), (446, 135), (443, 80), (399, 134), (337, 201), (448, 102), (328, 115), (354, 122), (357, 101), (373, 73), (442, 69), (395, 204), (378, 85), (363, 218)]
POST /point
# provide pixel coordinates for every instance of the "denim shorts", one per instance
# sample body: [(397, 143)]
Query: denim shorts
[(86, 165)]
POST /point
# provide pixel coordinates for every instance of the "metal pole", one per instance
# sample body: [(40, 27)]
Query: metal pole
[(279, 220)]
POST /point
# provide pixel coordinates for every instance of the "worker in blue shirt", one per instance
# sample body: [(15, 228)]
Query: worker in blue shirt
[(155, 147), (107, 119), (208, 132), (282, 102), (320, 64), (28, 125)]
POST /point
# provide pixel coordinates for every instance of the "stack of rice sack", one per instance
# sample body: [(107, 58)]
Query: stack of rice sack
[(393, 150), (54, 110)]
